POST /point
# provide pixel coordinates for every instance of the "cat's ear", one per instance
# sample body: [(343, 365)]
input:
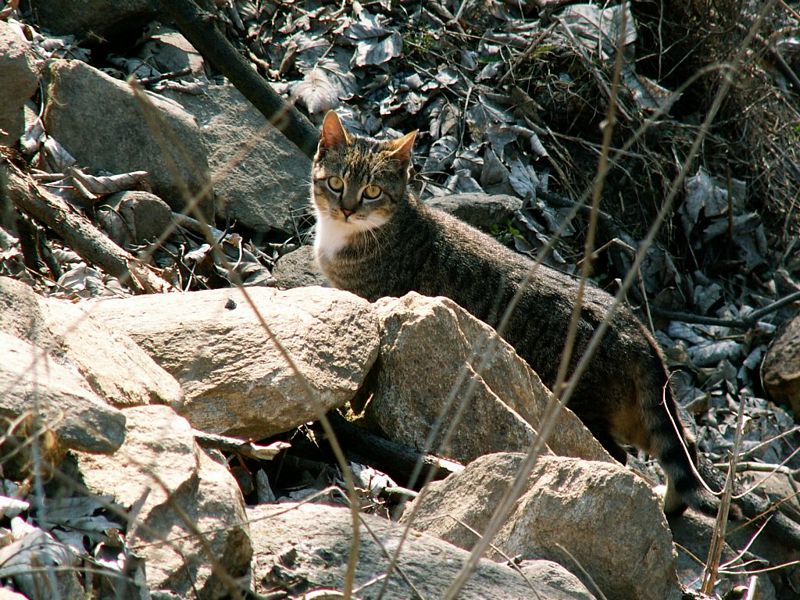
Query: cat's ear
[(333, 133), (401, 147)]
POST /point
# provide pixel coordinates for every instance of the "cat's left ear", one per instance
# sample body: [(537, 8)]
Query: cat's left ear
[(401, 147), (333, 133)]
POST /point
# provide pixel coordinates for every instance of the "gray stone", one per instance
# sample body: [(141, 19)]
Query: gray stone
[(134, 217), (169, 51), (564, 585), (310, 543), (104, 126), (780, 370), (114, 366), (597, 514), (432, 351), (479, 210), (298, 269), (93, 20), (34, 382), (19, 74), (236, 381), (162, 468), (260, 177)]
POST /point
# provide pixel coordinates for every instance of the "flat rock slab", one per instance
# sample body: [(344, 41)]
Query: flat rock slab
[(597, 514), (112, 365), (302, 548), (235, 380), (432, 367)]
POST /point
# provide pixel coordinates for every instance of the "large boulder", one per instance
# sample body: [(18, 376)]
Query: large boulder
[(235, 378), (110, 364), (19, 74), (780, 370), (305, 547), (99, 120), (38, 384), (263, 184), (479, 210), (598, 515), (433, 365), (61, 365), (190, 511), (93, 20)]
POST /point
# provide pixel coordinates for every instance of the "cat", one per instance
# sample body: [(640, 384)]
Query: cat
[(375, 238)]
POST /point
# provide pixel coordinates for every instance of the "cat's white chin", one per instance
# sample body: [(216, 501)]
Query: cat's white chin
[(334, 234)]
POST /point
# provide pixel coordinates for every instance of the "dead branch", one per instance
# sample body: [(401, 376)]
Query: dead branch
[(77, 231), (742, 323), (396, 460), (198, 27), (243, 447)]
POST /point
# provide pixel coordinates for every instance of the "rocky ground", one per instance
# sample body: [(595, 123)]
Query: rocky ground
[(169, 445)]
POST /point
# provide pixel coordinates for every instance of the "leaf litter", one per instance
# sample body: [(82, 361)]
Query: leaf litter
[(505, 103)]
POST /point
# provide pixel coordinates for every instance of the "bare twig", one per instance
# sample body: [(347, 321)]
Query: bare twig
[(77, 231)]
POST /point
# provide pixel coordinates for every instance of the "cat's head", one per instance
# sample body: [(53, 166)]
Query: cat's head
[(358, 181)]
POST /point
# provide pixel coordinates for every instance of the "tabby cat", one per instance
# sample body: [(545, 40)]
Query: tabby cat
[(374, 238)]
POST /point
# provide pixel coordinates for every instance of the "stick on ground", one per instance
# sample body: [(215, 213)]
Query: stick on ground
[(91, 244)]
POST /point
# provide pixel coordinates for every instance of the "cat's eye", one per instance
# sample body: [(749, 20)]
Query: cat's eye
[(336, 183), (371, 192)]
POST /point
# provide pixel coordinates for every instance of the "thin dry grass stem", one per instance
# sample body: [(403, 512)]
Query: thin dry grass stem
[(712, 566), (341, 460), (417, 594), (771, 471)]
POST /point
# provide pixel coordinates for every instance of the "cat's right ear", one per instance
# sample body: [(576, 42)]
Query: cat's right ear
[(333, 133)]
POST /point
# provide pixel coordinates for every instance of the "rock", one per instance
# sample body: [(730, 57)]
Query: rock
[(169, 52), (102, 124), (21, 314), (553, 576), (235, 380), (780, 370), (298, 269), (303, 547), (20, 78), (33, 381), (479, 210), (161, 467), (260, 178), (134, 217), (427, 346), (114, 366), (609, 520), (93, 19), (111, 364)]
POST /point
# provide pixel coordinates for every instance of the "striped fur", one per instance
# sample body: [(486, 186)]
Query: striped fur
[(624, 396)]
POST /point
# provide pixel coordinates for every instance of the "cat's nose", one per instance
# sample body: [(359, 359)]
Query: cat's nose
[(346, 212)]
